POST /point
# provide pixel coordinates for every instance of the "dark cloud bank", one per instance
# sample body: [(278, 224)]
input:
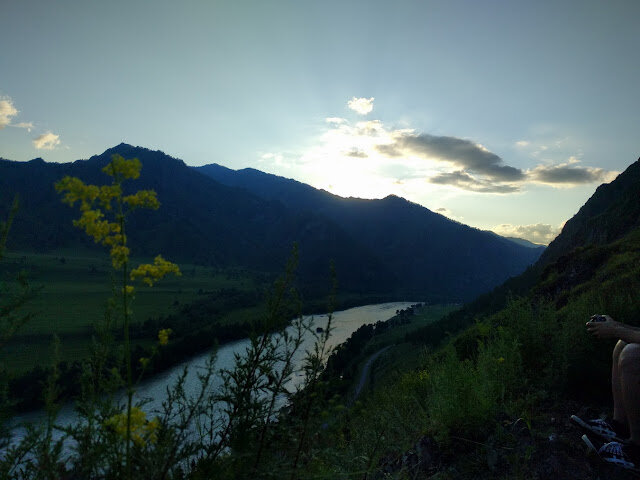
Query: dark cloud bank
[(480, 170)]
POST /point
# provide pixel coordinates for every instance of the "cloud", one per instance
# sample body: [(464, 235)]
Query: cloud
[(27, 125), (465, 181), (522, 143), (469, 156), (537, 233), (335, 120), (477, 169), (355, 153), (7, 112), (46, 141), (568, 175), (361, 105)]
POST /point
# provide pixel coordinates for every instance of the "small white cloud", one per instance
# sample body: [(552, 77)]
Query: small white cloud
[(7, 112), (361, 105), (46, 141), (335, 120), (27, 125), (522, 143)]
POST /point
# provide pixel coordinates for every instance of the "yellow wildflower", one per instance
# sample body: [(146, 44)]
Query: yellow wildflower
[(144, 362), (76, 191), (119, 256), (94, 201), (94, 225), (163, 336), (151, 273), (121, 169), (501, 360), (142, 199), (107, 194), (141, 430)]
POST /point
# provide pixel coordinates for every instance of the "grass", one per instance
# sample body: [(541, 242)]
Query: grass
[(403, 356), (506, 369), (75, 289)]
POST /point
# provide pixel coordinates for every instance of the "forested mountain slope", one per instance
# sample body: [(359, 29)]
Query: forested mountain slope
[(433, 257)]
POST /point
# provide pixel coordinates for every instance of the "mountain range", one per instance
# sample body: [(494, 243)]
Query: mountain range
[(215, 216), (426, 251)]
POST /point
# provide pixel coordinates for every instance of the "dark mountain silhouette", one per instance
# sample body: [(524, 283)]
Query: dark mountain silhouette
[(199, 220), (611, 212), (388, 246), (430, 254)]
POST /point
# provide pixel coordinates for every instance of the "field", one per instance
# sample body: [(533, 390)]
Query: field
[(74, 290)]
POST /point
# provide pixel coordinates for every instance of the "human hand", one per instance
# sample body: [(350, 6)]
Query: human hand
[(608, 328)]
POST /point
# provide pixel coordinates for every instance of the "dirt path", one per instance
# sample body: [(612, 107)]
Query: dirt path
[(365, 371)]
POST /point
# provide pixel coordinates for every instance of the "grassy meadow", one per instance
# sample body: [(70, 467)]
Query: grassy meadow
[(74, 288)]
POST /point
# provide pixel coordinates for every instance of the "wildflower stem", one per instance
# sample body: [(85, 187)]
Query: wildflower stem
[(127, 347)]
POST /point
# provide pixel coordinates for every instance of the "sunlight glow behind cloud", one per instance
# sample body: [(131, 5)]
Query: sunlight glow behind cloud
[(371, 160)]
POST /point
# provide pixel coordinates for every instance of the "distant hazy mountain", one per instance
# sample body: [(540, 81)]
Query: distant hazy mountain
[(525, 243), (429, 253)]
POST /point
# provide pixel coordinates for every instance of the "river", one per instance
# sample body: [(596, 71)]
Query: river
[(344, 323)]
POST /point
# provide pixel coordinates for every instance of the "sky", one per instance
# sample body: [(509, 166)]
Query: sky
[(503, 115)]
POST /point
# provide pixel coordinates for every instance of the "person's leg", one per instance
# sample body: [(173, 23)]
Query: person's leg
[(629, 374), (619, 413)]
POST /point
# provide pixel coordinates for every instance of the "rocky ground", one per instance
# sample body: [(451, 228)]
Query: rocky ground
[(548, 448)]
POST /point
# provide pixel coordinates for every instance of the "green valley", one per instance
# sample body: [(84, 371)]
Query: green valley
[(73, 290)]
